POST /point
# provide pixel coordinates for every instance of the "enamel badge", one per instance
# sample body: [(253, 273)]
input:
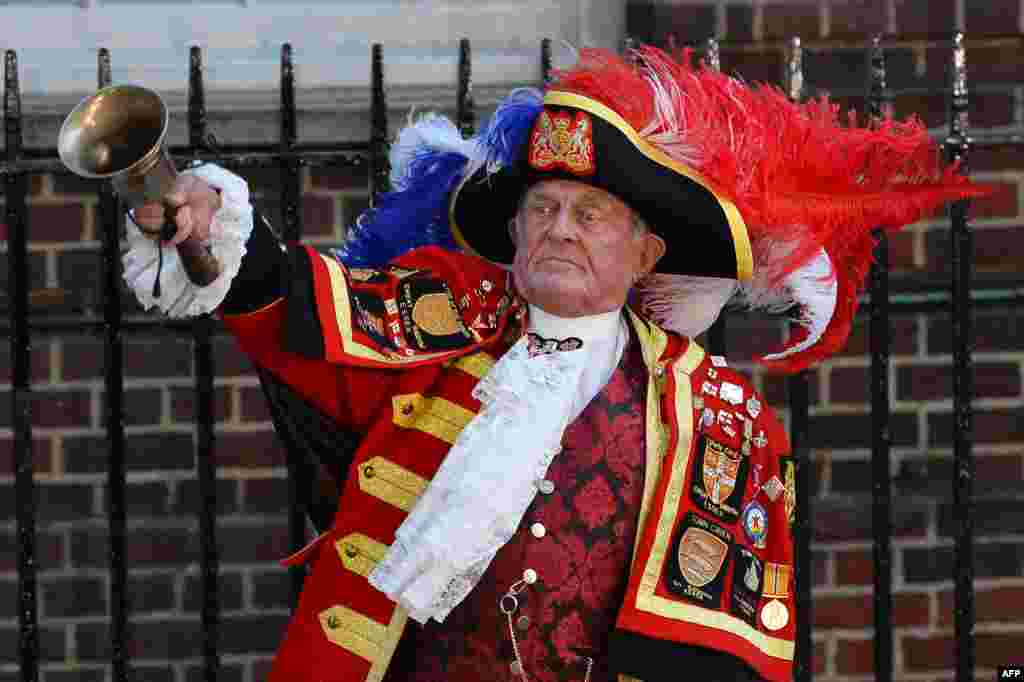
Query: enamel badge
[(755, 523), (561, 141), (731, 393), (753, 407), (773, 488)]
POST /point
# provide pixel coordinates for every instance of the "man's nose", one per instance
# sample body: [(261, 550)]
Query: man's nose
[(565, 226)]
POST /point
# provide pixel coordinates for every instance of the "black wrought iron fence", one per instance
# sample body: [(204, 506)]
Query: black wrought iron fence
[(289, 157)]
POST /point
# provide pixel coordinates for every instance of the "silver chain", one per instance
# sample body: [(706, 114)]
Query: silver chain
[(509, 604)]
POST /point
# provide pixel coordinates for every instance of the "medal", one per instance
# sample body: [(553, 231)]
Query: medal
[(774, 615)]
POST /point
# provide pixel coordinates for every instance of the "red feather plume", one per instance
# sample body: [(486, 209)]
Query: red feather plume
[(806, 179)]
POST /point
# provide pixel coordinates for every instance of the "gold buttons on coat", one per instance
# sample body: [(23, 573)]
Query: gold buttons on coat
[(538, 530)]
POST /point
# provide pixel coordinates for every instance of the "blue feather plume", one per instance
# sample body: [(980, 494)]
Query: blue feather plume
[(428, 162)]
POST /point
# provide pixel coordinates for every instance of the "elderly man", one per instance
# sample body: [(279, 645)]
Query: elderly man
[(552, 485)]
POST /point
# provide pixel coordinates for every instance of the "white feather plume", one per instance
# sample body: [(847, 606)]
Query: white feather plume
[(427, 132), (813, 289), (684, 304)]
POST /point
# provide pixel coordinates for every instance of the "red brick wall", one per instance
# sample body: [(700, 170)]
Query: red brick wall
[(921, 377), (70, 455)]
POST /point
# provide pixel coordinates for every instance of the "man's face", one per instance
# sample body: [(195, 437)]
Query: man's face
[(577, 249)]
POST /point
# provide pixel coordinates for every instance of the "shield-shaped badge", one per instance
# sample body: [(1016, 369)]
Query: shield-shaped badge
[(701, 556), (719, 478), (720, 470), (702, 551)]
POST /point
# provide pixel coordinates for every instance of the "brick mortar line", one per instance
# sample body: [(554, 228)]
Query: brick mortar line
[(935, 225), (102, 664), (926, 360), (912, 451), (945, 405), (225, 522), (147, 572), (844, 591), (910, 407), (158, 475), (169, 381), (898, 543)]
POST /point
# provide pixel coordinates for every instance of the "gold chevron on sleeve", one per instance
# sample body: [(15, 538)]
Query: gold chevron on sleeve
[(354, 632), (440, 418), (475, 364), (359, 553), (391, 483)]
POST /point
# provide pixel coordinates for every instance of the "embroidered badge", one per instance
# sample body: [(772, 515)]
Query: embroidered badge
[(789, 482), (561, 141), (369, 316), (746, 585), (731, 393), (760, 441), (709, 388), (718, 361), (701, 551), (712, 374), (433, 314), (718, 479), (755, 523), (429, 315)]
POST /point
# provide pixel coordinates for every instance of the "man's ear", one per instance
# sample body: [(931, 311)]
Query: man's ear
[(654, 249)]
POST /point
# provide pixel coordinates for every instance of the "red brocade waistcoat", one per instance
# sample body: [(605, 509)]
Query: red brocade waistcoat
[(395, 353), (577, 535)]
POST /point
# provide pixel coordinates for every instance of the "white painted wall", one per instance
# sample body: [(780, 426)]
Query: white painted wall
[(149, 42)]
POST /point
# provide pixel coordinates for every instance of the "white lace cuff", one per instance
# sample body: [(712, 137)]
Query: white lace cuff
[(229, 231)]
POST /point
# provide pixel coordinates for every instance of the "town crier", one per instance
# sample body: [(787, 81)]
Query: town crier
[(529, 468)]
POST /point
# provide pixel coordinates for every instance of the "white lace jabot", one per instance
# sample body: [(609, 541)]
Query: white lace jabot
[(478, 497)]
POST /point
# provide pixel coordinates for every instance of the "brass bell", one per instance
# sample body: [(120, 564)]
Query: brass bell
[(119, 134)]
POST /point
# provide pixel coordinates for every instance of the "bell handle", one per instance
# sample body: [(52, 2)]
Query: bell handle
[(200, 265)]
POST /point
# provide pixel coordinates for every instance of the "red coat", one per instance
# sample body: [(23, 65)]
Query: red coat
[(394, 354)]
